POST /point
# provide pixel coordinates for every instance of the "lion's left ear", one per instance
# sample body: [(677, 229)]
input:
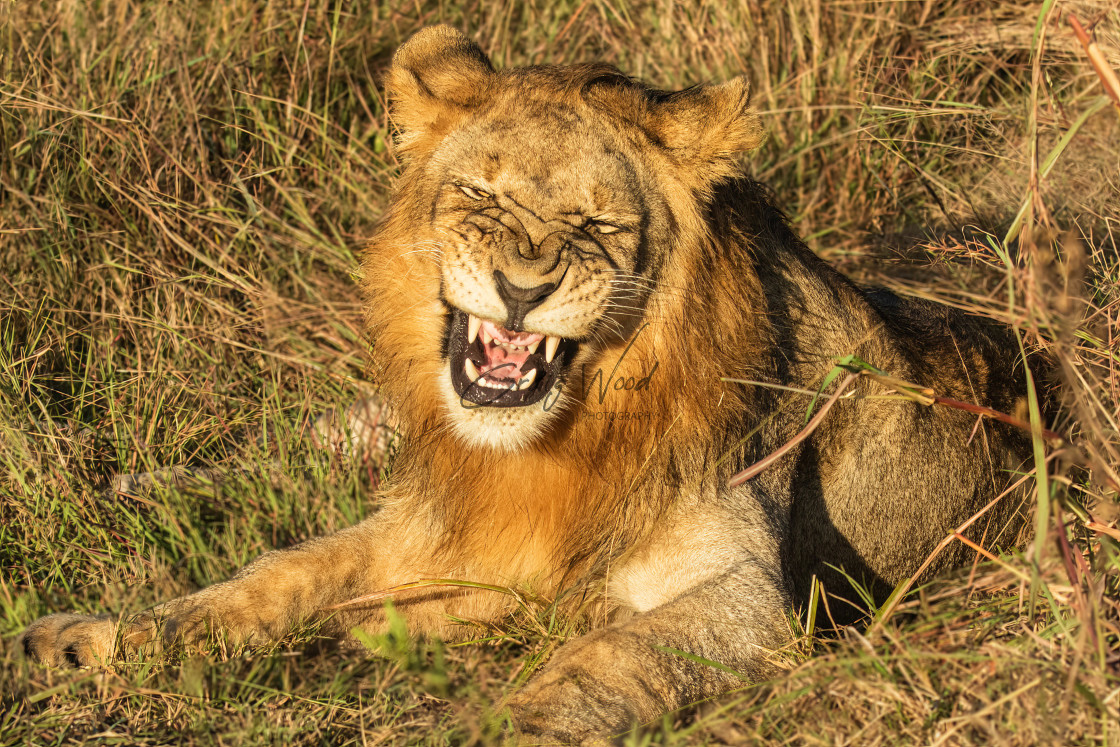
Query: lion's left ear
[(436, 76), (706, 127)]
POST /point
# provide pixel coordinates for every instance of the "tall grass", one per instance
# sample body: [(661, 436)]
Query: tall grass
[(183, 189)]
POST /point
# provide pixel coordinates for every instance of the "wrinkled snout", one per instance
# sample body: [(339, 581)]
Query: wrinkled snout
[(529, 256)]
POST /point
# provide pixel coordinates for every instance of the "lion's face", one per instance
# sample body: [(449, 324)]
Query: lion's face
[(546, 196), (543, 223)]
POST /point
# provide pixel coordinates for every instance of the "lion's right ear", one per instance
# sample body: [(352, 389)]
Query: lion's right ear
[(436, 76), (705, 128)]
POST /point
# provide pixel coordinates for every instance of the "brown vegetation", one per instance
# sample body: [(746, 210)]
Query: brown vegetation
[(182, 188)]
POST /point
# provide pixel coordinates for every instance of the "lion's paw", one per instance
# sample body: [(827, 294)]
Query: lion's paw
[(561, 712), (68, 640), (591, 693)]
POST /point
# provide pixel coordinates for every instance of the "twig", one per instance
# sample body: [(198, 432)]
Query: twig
[(571, 21), (997, 560), (424, 583), (805, 432), (900, 591), (1002, 417), (1099, 62), (915, 392), (1099, 528)]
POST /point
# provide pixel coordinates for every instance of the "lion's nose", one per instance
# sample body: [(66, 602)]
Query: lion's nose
[(520, 301)]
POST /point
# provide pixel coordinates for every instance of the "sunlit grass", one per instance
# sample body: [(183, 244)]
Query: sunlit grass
[(184, 189)]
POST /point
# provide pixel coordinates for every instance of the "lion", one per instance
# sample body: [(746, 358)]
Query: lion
[(588, 320)]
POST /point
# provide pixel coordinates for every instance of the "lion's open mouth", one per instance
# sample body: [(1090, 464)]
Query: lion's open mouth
[(499, 367)]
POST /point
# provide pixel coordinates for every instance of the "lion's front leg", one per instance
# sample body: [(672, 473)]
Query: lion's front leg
[(260, 603), (615, 678)]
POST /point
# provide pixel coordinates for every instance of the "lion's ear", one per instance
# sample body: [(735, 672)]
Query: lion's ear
[(437, 74), (706, 127)]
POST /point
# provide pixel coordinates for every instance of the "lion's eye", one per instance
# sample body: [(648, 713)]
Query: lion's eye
[(474, 194), (603, 228)]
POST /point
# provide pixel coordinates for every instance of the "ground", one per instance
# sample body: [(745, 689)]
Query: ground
[(184, 187)]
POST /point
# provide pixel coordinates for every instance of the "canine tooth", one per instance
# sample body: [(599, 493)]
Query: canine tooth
[(527, 380), (473, 325), (550, 345), (486, 338), (472, 372), (534, 346)]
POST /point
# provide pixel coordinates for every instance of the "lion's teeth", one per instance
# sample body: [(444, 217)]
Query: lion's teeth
[(550, 345), (473, 325), (534, 346), (527, 380), (472, 372), (486, 338)]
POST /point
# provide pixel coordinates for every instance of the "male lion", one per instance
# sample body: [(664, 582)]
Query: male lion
[(569, 298)]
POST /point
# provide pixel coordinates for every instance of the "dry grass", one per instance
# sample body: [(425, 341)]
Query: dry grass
[(182, 190)]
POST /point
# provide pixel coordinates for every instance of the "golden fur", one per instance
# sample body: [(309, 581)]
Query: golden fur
[(575, 203)]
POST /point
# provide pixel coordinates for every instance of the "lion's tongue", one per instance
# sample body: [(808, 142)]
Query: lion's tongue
[(502, 362)]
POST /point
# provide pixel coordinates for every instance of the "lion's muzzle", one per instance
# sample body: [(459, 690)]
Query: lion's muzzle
[(493, 366)]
